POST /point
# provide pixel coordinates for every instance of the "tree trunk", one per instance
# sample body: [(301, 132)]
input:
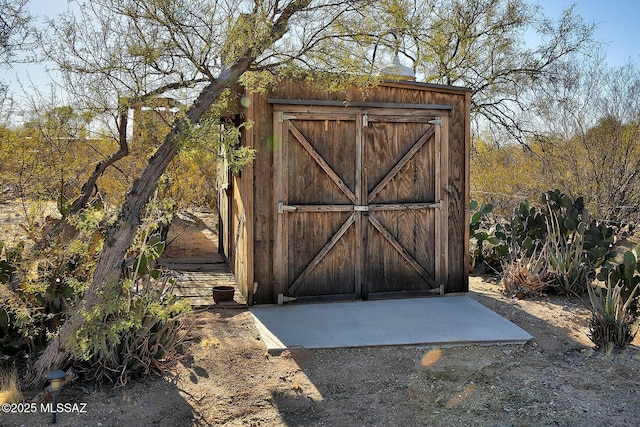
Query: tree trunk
[(122, 233)]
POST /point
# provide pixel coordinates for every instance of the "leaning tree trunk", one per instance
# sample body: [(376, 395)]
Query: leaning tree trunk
[(121, 234)]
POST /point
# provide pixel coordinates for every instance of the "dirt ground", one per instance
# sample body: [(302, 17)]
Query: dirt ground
[(227, 378)]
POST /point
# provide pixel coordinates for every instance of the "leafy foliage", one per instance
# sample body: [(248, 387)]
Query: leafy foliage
[(13, 28), (592, 145), (16, 321), (134, 332), (15, 35), (497, 173), (39, 287), (479, 44), (489, 245), (131, 335), (135, 329)]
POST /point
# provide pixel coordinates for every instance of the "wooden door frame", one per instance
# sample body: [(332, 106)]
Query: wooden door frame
[(281, 116)]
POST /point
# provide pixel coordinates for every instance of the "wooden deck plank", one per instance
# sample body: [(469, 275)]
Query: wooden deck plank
[(211, 259), (196, 279), (204, 268)]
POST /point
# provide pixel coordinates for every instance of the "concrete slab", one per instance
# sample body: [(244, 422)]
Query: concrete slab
[(436, 321)]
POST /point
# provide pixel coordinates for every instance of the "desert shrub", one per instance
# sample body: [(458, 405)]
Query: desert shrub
[(136, 334), (611, 325), (567, 259), (136, 329), (625, 273), (488, 240), (16, 321), (191, 179), (10, 386), (497, 171), (526, 274), (38, 286), (554, 239), (599, 162)]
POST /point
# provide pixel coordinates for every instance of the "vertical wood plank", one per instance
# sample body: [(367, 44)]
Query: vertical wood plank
[(250, 224), (284, 261), (457, 225), (438, 179), (467, 156), (360, 200), (260, 112), (364, 223), (278, 179), (444, 219)]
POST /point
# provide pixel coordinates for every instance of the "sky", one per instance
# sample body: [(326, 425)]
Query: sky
[(617, 24), (616, 20)]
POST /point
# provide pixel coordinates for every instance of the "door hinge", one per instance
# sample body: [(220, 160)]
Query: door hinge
[(365, 120), (438, 121), (282, 116), (282, 208), (438, 291), (283, 298)]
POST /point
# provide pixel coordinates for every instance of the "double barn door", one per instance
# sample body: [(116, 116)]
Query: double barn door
[(361, 202)]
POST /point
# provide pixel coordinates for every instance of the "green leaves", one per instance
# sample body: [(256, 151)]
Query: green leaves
[(152, 251), (10, 261), (611, 324), (483, 210), (63, 205), (495, 236), (4, 318)]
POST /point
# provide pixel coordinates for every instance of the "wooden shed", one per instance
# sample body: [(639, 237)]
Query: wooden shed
[(350, 197)]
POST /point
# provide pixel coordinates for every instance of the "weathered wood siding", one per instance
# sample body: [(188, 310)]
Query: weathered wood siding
[(254, 256)]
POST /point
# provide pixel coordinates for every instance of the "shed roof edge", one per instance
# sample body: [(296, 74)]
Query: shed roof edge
[(414, 84)]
